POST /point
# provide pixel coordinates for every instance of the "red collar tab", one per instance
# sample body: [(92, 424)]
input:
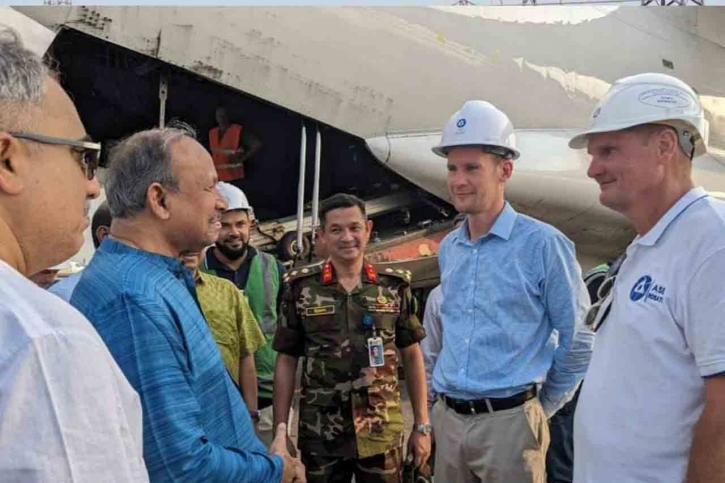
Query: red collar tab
[(370, 273), (327, 273)]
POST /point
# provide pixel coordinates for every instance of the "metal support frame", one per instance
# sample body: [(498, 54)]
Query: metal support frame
[(163, 94), (669, 3), (301, 189), (316, 186)]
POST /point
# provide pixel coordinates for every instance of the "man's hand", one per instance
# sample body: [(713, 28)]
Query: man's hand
[(294, 470), (419, 444)]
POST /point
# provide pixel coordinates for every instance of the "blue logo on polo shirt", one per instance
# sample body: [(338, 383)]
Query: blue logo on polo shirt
[(645, 288), (461, 123)]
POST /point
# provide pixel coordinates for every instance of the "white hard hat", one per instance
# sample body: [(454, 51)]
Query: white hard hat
[(479, 123), (650, 99), (236, 199)]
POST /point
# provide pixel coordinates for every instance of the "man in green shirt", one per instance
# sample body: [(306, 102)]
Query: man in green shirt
[(259, 274), (233, 326)]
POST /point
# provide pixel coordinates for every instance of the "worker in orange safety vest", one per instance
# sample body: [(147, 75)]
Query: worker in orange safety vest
[(231, 147)]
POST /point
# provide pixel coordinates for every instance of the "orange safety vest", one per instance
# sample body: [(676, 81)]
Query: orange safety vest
[(221, 149)]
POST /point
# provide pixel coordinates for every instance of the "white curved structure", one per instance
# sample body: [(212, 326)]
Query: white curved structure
[(549, 182), (386, 73)]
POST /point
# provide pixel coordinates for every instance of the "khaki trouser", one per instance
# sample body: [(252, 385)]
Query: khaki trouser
[(265, 430), (502, 447)]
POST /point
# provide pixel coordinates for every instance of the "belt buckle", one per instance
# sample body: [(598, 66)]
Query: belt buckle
[(472, 407)]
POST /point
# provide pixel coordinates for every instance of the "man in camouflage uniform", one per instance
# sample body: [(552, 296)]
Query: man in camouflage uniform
[(335, 314)]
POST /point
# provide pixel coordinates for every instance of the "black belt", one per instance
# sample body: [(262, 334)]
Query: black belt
[(487, 405)]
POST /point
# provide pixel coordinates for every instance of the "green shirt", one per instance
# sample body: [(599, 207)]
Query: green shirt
[(230, 320)]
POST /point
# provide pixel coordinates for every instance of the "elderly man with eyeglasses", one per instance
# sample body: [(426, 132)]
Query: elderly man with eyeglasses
[(67, 413)]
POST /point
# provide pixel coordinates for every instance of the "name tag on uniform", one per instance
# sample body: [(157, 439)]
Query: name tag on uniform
[(320, 310)]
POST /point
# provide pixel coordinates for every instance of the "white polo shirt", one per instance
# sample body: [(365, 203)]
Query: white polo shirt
[(645, 390)]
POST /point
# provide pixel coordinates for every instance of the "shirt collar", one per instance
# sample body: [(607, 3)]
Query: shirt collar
[(655, 233), (110, 245), (502, 227), (201, 277), (328, 275)]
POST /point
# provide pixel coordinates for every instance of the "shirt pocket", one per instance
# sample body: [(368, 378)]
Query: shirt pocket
[(384, 323), (323, 335)]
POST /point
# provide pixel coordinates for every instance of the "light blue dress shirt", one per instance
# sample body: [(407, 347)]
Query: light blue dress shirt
[(196, 427), (64, 288), (512, 302)]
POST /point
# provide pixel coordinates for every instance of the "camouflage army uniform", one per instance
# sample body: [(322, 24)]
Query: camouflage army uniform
[(350, 413)]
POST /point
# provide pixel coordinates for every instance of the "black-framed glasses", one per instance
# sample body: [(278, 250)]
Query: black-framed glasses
[(598, 312), (90, 152)]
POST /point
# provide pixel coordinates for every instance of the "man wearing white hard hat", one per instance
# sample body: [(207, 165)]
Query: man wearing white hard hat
[(653, 405), (509, 281), (259, 275)]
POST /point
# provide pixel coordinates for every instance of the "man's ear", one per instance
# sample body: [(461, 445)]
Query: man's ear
[(507, 169), (369, 227), (667, 144), (102, 232), (157, 200), (13, 162)]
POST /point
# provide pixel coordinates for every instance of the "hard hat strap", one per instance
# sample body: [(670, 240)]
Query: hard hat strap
[(687, 140), (498, 151)]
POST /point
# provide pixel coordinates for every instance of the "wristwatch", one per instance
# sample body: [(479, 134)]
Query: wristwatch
[(424, 428), (254, 415)]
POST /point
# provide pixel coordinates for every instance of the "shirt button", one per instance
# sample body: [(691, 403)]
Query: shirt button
[(466, 341)]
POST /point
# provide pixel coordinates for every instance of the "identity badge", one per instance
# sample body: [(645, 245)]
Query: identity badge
[(375, 352)]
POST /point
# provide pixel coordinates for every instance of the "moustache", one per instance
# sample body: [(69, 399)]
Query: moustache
[(348, 245)]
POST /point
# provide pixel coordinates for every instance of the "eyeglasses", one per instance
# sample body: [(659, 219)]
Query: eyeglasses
[(90, 153), (598, 312)]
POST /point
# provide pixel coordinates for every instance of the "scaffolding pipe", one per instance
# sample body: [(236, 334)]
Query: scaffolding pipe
[(163, 95), (316, 186), (301, 190)]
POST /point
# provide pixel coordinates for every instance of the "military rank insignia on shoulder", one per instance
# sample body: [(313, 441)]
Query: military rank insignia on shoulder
[(302, 272), (397, 272)]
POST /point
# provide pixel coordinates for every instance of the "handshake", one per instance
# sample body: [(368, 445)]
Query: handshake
[(294, 470)]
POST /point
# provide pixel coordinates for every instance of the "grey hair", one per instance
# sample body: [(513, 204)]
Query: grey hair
[(136, 163), (22, 81)]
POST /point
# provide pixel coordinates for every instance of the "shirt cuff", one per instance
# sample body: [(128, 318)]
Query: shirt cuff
[(408, 337), (552, 405), (288, 341), (278, 467)]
